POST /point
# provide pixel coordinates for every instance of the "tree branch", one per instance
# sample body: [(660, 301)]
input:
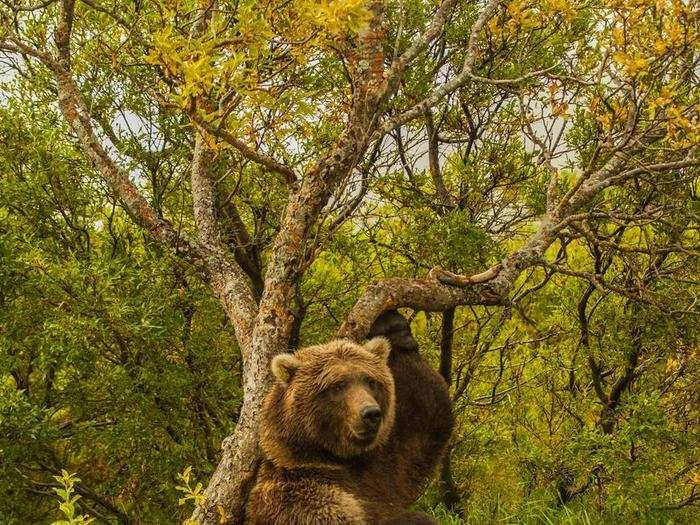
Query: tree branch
[(246, 151), (228, 281), (420, 294), (77, 116)]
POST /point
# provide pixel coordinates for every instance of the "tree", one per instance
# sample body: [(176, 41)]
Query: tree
[(297, 114)]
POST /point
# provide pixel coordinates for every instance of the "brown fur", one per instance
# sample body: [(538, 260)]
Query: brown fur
[(319, 465)]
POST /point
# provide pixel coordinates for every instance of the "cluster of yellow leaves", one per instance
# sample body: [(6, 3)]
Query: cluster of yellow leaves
[(607, 114), (335, 16), (194, 493), (646, 39), (529, 14), (559, 7), (683, 131), (523, 14), (559, 107), (696, 477), (633, 63), (682, 123), (645, 30), (238, 52), (197, 63), (665, 97), (672, 364)]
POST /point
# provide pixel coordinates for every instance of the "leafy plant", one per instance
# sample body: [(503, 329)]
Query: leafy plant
[(69, 500), (194, 494)]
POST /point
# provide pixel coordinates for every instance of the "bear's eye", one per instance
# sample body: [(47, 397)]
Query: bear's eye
[(372, 383), (336, 388)]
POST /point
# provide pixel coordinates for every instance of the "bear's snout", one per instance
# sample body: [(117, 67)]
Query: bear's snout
[(367, 413), (371, 417)]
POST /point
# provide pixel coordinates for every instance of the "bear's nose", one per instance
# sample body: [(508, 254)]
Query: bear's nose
[(371, 416)]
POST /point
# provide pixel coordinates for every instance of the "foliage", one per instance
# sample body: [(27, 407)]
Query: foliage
[(116, 364)]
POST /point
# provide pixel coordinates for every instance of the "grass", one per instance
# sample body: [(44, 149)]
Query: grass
[(541, 512)]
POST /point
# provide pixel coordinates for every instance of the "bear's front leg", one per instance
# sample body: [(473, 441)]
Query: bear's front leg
[(423, 421)]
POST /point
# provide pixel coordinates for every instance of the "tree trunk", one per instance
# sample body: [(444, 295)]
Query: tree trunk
[(448, 489)]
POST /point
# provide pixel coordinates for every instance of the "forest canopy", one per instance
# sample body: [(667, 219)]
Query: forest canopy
[(189, 187)]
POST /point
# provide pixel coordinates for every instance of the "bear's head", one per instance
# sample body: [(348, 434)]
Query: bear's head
[(329, 403)]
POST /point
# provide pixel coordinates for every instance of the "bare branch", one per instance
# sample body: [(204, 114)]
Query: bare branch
[(434, 162), (454, 279)]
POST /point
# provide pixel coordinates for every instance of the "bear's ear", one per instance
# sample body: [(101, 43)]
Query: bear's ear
[(284, 366), (379, 346)]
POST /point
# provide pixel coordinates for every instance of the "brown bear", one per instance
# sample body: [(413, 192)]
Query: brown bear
[(350, 433)]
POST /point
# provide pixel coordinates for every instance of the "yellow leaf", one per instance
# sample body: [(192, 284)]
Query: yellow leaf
[(494, 28), (633, 64), (561, 110), (638, 64), (660, 46), (621, 58), (671, 364), (515, 8), (618, 36)]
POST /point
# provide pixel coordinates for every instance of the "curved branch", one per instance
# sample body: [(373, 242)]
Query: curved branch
[(454, 279), (420, 294)]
